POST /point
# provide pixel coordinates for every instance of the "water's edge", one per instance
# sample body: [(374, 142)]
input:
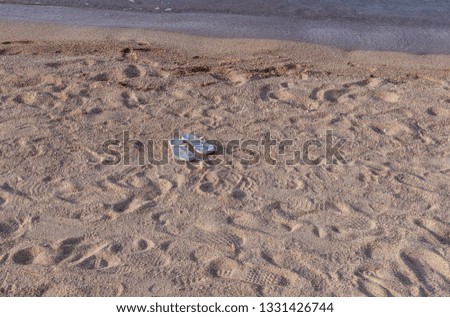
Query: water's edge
[(349, 34)]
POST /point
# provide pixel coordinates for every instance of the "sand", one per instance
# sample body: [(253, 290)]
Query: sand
[(72, 226)]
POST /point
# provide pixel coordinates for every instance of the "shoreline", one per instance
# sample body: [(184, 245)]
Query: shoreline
[(328, 57), (343, 34)]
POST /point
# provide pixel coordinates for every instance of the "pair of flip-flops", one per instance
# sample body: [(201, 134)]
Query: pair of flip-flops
[(181, 151)]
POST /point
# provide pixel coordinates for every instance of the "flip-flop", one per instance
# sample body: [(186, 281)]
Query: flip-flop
[(180, 150), (199, 144)]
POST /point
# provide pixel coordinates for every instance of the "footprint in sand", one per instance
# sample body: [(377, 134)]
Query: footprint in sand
[(212, 236), (265, 225), (437, 228), (94, 262), (429, 268), (388, 96), (212, 182), (102, 77), (128, 205), (283, 94), (174, 222), (228, 269), (88, 256), (290, 181), (122, 205), (294, 261), (233, 76), (10, 51), (26, 98), (70, 190), (372, 285), (66, 248), (226, 182), (12, 228), (351, 91), (187, 276), (123, 194), (342, 222), (130, 100), (132, 71), (37, 188), (304, 205), (262, 277), (211, 118), (333, 95), (207, 187), (24, 42), (30, 255), (8, 228), (140, 245), (416, 181), (321, 94), (153, 257), (136, 181), (17, 151), (22, 82), (243, 189)]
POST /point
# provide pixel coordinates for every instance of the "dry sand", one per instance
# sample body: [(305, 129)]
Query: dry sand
[(70, 226)]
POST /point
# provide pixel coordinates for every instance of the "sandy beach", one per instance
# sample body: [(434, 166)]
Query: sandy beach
[(70, 225)]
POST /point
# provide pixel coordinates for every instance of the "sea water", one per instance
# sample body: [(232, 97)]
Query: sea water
[(416, 26)]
